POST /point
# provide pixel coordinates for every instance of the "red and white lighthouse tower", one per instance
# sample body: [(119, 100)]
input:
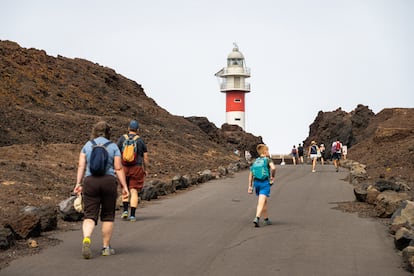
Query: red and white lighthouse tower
[(234, 85)]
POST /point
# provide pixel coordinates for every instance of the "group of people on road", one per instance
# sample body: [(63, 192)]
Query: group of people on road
[(100, 192), (297, 154), (316, 152), (262, 172)]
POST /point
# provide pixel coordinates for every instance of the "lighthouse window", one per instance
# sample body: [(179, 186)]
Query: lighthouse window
[(237, 119), (237, 100), (235, 61)]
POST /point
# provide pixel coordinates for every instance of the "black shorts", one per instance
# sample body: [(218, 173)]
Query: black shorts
[(100, 194), (336, 156)]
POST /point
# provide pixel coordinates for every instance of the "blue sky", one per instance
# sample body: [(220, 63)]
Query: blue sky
[(305, 56)]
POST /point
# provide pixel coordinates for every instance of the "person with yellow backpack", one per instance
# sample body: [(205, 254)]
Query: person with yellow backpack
[(134, 157)]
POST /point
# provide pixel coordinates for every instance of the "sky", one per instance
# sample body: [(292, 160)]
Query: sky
[(304, 56)]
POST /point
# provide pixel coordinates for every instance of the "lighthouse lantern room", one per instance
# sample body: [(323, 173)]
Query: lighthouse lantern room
[(232, 82)]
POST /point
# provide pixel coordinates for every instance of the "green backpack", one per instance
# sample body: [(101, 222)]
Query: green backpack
[(260, 168)]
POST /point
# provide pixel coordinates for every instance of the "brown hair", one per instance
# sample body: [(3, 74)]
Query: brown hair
[(101, 128), (261, 148)]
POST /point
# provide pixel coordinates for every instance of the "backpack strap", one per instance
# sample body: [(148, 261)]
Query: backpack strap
[(265, 160), (126, 136), (267, 165), (105, 145)]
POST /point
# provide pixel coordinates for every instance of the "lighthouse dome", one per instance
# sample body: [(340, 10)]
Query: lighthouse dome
[(235, 54), (235, 58)]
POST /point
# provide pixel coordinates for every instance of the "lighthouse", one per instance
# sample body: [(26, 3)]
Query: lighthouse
[(233, 83)]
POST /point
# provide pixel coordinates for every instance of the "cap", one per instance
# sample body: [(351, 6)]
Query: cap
[(133, 125)]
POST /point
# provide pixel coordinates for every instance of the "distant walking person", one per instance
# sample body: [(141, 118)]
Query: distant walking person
[(99, 188), (300, 153), (294, 153), (313, 154), (322, 150), (336, 153), (135, 161), (261, 177), (344, 151)]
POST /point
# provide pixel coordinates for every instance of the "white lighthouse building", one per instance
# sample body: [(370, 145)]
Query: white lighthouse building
[(233, 83)]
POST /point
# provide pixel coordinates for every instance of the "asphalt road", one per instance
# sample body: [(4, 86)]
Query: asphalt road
[(209, 231)]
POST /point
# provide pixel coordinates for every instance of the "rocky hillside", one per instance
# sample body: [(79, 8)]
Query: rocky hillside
[(49, 105), (383, 141), (348, 127)]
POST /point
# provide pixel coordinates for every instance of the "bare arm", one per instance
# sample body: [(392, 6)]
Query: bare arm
[(121, 175), (250, 188), (146, 163), (272, 171), (80, 173)]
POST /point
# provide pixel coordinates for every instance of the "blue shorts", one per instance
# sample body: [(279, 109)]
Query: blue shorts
[(262, 187)]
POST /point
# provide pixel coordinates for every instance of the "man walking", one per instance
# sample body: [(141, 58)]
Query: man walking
[(336, 153), (135, 164)]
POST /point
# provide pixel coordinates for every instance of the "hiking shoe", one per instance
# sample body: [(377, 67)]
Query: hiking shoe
[(124, 215), (313, 171), (86, 248), (108, 251), (132, 218), (337, 169), (267, 222), (256, 222)]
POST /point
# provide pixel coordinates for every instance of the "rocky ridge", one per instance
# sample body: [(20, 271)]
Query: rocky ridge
[(384, 142)]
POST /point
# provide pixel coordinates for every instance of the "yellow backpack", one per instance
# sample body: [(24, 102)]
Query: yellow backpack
[(129, 150)]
